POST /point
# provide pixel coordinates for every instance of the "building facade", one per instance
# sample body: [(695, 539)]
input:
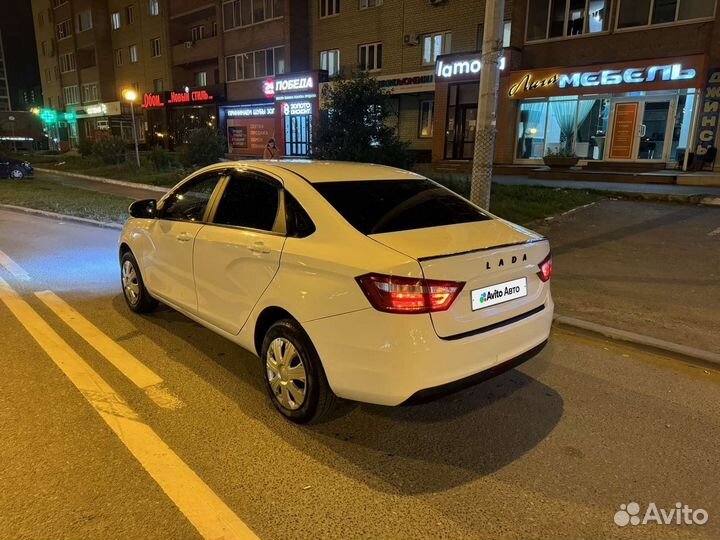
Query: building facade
[(5, 101), (617, 83)]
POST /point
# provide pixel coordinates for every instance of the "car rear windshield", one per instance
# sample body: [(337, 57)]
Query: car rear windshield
[(381, 206)]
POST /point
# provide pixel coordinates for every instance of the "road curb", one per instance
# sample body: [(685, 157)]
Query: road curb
[(148, 187), (639, 339), (61, 217)]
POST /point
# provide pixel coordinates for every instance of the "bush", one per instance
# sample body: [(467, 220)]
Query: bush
[(206, 147), (86, 147), (160, 158), (110, 151)]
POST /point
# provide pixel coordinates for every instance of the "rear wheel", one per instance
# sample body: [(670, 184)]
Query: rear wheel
[(17, 173), (294, 375), (136, 295)]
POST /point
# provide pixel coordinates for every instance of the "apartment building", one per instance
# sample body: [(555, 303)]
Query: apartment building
[(620, 83), (399, 42), (5, 102), (89, 51)]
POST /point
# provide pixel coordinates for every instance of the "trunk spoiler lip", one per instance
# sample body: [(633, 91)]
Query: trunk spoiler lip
[(499, 246)]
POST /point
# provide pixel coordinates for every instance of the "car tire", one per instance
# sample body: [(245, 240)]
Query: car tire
[(16, 173), (284, 368), (136, 295)]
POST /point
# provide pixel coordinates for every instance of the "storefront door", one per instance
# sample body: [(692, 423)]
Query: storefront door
[(640, 130), (463, 134), (298, 135)]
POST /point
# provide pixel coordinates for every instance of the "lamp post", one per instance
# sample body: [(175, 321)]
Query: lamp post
[(130, 96)]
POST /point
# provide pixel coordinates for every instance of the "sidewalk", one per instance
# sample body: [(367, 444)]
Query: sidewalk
[(619, 187)]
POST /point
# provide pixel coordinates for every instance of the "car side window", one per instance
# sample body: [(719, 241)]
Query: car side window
[(249, 200), (298, 222), (189, 201)]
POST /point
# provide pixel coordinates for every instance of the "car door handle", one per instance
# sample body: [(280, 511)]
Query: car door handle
[(183, 237), (258, 247)]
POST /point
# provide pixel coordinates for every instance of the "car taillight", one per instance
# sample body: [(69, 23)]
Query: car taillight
[(394, 294), (546, 268)]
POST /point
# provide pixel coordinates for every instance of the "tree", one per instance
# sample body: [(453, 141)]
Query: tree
[(206, 146), (356, 124)]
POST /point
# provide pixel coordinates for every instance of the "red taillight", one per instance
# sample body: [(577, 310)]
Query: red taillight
[(395, 294), (545, 268)]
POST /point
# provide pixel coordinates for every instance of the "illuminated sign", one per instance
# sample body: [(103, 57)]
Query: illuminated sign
[(297, 108), (471, 65), (152, 101), (708, 125), (604, 78), (292, 84), (49, 116), (245, 111), (95, 109), (189, 97), (406, 81), (268, 88)]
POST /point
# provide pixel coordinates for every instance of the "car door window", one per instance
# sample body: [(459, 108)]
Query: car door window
[(189, 201), (249, 200)]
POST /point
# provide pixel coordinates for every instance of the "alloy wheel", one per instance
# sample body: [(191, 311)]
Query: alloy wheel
[(131, 285), (286, 374), (16, 173)]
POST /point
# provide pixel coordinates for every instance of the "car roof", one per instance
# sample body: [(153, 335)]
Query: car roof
[(334, 171)]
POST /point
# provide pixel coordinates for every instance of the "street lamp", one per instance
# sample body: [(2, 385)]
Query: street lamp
[(130, 96)]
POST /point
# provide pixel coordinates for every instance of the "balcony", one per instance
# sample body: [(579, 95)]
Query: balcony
[(196, 52)]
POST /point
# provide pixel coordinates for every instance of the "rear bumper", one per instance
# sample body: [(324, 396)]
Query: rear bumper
[(386, 359)]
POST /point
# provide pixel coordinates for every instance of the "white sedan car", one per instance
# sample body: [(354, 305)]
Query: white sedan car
[(348, 280)]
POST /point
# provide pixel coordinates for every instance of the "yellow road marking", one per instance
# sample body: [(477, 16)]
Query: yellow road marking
[(142, 376), (200, 505), (14, 268)]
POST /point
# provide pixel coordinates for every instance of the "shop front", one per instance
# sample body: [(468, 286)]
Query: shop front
[(248, 126), (172, 116), (297, 110), (101, 120), (640, 112)]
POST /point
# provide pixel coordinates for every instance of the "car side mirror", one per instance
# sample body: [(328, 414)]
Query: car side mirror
[(144, 209)]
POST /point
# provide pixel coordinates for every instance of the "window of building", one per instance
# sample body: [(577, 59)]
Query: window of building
[(133, 54), (90, 92), (364, 4), (67, 62), (71, 95), (552, 19), (64, 29), (634, 13), (425, 128), (118, 57), (328, 8), (507, 32), (201, 78), (154, 7), (214, 28), (155, 50), (434, 45), (129, 14), (330, 60), (237, 13), (84, 21), (115, 20), (158, 85), (255, 64), (48, 75), (370, 56), (197, 32), (43, 48)]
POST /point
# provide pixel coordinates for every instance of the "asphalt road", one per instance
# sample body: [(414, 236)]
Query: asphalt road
[(550, 450)]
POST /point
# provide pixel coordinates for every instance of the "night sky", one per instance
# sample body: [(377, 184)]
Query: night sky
[(18, 35)]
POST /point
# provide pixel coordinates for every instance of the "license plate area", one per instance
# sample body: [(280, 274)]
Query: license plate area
[(498, 294)]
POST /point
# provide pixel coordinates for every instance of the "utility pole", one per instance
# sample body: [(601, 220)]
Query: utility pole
[(487, 102)]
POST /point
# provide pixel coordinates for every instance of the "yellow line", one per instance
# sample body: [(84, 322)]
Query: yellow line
[(14, 268), (142, 376), (200, 505)]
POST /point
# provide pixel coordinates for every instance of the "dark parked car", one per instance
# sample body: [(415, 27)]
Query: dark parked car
[(14, 168)]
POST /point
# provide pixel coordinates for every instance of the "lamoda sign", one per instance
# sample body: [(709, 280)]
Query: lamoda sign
[(534, 84), (449, 68)]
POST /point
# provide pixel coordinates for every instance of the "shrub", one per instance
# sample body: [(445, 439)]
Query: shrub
[(206, 146), (110, 151), (160, 158), (86, 147)]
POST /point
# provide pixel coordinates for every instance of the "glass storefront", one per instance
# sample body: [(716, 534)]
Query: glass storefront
[(461, 121), (657, 126)]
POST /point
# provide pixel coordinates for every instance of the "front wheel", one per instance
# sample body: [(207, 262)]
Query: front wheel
[(17, 174), (294, 375), (136, 295)]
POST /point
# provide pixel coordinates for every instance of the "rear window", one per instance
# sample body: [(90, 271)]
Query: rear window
[(381, 206)]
